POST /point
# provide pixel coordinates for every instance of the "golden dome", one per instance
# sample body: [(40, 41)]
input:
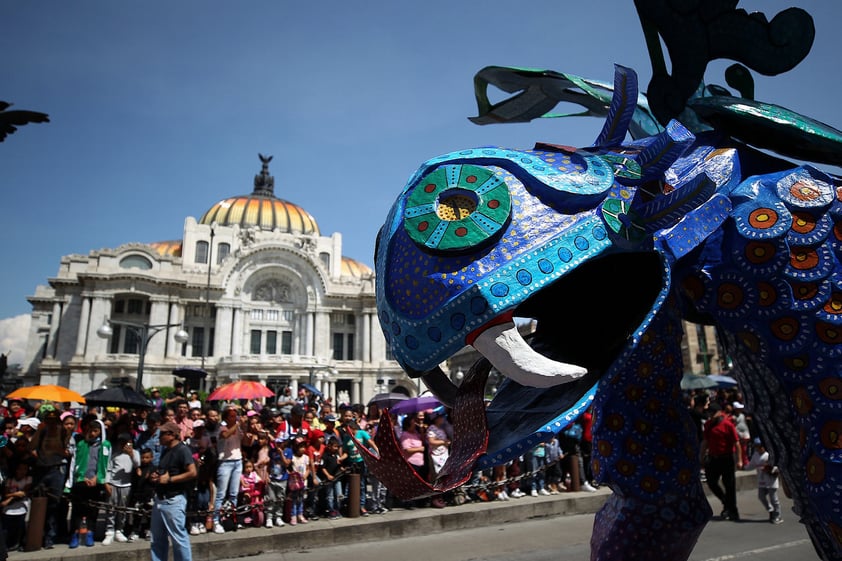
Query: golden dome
[(262, 209), (353, 268)]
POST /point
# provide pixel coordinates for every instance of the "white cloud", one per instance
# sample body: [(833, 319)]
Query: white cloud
[(13, 335)]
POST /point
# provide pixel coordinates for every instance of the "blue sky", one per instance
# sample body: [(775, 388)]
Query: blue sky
[(159, 109)]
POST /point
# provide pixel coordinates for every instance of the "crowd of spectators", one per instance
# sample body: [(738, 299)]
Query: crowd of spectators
[(268, 465)]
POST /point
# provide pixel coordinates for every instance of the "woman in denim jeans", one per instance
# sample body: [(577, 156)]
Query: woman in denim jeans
[(231, 439)]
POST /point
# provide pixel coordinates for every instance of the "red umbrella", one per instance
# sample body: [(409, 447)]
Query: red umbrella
[(243, 389)]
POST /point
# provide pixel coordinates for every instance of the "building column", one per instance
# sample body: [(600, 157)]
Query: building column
[(55, 323), (237, 333), (356, 391), (169, 347), (309, 334), (321, 344), (297, 331), (222, 331), (100, 309), (366, 337), (82, 332)]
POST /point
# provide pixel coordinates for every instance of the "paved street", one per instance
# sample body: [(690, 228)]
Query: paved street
[(567, 537)]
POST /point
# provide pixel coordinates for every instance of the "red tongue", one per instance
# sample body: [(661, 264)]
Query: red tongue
[(470, 441)]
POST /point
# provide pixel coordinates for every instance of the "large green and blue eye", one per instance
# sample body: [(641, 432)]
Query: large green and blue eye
[(457, 207)]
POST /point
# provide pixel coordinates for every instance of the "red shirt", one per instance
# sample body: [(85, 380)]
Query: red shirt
[(720, 435)]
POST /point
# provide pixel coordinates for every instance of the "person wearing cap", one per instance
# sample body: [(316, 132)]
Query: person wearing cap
[(330, 429), (767, 481), (124, 461), (721, 455), (86, 482), (294, 426), (173, 479), (49, 449), (741, 424)]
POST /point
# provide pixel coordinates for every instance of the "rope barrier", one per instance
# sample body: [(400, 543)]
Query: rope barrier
[(247, 508)]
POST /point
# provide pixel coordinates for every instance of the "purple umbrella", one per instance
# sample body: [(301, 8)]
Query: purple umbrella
[(415, 404)]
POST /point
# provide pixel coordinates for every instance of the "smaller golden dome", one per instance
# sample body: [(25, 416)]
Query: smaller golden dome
[(353, 268)]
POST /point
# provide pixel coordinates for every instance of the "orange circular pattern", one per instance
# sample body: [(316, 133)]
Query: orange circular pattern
[(804, 191), (831, 435), (804, 290), (649, 484), (829, 333), (803, 222), (834, 303), (815, 470), (669, 440), (615, 422), (749, 341), (633, 393), (626, 468), (803, 258), (831, 388), (642, 426), (729, 296), (633, 447), (767, 294), (684, 477), (763, 218), (786, 328), (801, 400), (759, 252), (662, 462), (604, 447)]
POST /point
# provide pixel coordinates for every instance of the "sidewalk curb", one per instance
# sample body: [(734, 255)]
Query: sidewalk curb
[(393, 525)]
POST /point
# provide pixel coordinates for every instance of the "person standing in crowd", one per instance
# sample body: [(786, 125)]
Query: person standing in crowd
[(230, 468), (331, 473), (299, 472), (438, 444), (49, 449), (767, 481), (15, 505), (280, 457), (86, 482), (124, 461), (721, 456), (183, 420), (156, 399), (354, 462), (741, 424), (172, 480)]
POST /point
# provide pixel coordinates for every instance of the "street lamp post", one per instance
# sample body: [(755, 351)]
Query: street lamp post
[(144, 333)]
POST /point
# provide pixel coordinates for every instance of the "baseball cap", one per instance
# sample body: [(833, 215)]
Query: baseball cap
[(153, 390), (737, 405), (171, 427), (330, 418), (198, 423)]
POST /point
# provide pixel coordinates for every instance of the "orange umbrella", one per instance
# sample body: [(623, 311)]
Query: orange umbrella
[(243, 389), (47, 392)]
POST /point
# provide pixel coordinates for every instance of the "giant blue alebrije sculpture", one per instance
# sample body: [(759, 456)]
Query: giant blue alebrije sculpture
[(607, 248)]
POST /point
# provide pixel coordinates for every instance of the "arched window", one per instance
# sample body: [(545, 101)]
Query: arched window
[(222, 251), (135, 262), (201, 252)]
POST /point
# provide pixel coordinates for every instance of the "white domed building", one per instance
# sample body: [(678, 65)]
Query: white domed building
[(252, 291)]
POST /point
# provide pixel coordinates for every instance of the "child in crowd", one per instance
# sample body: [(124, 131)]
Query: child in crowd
[(331, 472), (280, 457), (297, 483), (16, 505), (767, 481), (124, 461), (143, 491), (86, 482), (251, 494)]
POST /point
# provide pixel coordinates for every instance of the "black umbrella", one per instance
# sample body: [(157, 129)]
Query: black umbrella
[(122, 396), (387, 399)]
